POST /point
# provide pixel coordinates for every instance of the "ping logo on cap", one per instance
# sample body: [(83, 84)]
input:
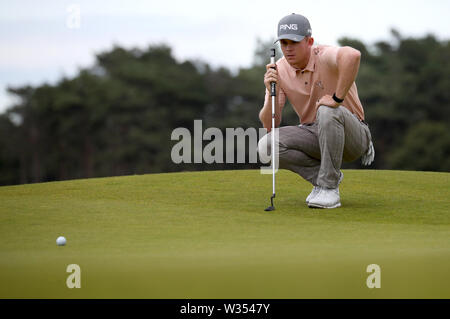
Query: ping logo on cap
[(292, 26)]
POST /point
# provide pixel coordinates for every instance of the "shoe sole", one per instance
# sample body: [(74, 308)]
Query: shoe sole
[(321, 206)]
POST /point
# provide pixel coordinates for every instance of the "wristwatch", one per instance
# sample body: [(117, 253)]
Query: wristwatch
[(338, 100)]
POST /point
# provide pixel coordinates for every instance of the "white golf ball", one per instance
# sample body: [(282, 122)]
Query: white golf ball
[(60, 241)]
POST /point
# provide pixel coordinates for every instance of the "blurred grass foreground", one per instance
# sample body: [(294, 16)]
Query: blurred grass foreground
[(206, 235)]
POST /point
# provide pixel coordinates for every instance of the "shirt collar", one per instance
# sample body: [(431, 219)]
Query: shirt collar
[(310, 67)]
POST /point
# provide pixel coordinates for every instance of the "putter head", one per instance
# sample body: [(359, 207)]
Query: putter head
[(271, 207)]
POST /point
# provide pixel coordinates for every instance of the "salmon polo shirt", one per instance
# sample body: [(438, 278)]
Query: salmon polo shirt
[(304, 88)]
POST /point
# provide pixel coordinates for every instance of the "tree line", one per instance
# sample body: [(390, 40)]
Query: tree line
[(116, 117)]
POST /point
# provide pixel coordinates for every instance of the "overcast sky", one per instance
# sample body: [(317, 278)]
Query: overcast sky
[(41, 41)]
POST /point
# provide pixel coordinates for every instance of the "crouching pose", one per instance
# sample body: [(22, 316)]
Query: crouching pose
[(319, 82)]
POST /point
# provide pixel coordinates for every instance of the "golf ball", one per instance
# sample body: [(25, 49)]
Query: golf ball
[(60, 241)]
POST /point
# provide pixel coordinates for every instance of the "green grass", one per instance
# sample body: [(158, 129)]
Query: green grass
[(206, 235)]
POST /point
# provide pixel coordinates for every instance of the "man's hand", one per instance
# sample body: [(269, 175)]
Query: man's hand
[(270, 76), (328, 101)]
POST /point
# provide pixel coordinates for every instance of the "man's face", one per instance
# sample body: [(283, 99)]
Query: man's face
[(297, 53)]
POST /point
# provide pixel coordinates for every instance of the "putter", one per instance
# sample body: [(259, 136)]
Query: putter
[(273, 94)]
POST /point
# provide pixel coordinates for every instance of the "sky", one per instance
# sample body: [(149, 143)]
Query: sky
[(43, 41)]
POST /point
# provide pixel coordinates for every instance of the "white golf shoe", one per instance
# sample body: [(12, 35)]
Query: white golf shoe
[(316, 189), (326, 198), (314, 192)]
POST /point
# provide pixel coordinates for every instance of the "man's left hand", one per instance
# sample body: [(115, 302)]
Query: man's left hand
[(328, 101)]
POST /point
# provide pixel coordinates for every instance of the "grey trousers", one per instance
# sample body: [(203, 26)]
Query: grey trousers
[(316, 151)]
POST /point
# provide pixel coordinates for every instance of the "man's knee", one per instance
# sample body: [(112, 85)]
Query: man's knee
[(264, 145), (326, 114)]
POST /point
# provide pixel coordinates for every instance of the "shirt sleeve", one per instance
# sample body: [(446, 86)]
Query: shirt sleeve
[(329, 56)]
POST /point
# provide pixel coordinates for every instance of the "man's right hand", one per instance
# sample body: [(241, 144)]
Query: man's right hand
[(270, 76)]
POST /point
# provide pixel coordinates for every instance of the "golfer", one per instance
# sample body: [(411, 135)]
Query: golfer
[(319, 82)]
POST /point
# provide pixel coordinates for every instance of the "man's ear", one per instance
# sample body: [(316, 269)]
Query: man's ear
[(310, 41)]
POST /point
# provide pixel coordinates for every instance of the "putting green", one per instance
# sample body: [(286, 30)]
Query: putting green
[(206, 235)]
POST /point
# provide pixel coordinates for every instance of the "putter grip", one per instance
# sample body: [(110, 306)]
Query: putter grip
[(272, 61), (272, 52), (272, 89)]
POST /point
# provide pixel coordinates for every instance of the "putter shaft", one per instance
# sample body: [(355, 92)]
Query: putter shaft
[(273, 94)]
